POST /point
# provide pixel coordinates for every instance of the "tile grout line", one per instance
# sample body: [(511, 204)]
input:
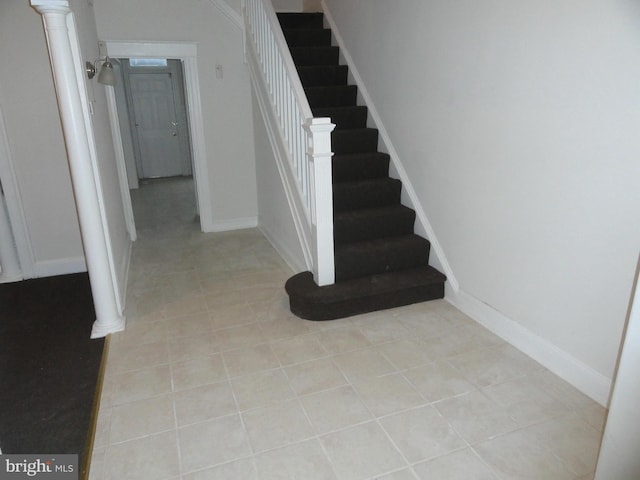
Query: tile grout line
[(240, 416), (250, 246)]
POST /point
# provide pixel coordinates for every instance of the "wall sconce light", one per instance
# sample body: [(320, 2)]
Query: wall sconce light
[(106, 75)]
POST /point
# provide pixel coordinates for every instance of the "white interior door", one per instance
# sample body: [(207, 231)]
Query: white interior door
[(156, 123)]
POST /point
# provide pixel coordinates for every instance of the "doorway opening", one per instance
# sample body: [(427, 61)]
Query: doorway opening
[(157, 112), (162, 118), (154, 126)]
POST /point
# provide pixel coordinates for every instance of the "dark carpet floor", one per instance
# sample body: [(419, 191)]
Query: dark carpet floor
[(49, 367)]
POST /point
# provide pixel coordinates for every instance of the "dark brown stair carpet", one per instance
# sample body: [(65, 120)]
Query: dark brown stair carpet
[(380, 262)]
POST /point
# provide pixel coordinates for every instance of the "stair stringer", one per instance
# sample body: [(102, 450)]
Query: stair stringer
[(409, 196), (283, 162), (227, 10)]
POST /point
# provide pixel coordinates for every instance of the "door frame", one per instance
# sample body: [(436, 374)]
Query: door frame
[(14, 206), (187, 53)]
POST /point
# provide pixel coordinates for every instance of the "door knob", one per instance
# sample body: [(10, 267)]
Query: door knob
[(175, 134)]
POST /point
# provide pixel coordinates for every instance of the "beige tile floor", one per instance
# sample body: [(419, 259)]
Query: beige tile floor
[(214, 378)]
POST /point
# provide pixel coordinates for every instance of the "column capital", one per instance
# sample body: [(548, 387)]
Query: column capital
[(51, 6), (319, 125)]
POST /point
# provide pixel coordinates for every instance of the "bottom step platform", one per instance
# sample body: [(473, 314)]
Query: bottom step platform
[(361, 295)]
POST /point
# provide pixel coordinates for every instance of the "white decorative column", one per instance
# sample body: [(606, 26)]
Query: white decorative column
[(319, 155), (54, 15)]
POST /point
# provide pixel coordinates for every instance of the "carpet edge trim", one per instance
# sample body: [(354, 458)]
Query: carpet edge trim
[(95, 410)]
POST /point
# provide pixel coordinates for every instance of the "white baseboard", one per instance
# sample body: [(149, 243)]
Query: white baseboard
[(11, 279), (577, 373), (62, 266), (234, 224)]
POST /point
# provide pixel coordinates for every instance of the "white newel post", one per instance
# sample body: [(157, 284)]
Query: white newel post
[(319, 155), (54, 14)]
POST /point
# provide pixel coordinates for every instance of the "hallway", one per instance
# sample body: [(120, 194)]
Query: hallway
[(214, 378)]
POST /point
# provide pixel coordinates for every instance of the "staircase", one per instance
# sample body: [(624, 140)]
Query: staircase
[(380, 262)]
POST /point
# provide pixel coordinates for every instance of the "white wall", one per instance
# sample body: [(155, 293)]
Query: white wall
[(35, 140), (517, 124), (275, 218), (226, 102)]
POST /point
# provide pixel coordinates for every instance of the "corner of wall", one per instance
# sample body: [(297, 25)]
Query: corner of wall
[(233, 224), (60, 266), (125, 265), (292, 259), (581, 376)]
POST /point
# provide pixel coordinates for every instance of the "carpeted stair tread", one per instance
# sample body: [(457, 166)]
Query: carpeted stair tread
[(344, 118), (388, 254), (363, 224), (307, 56), (351, 167), (332, 96), (362, 295), (323, 75), (355, 140), (370, 193), (301, 20), (307, 37)]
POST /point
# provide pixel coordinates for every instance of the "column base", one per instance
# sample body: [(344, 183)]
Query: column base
[(102, 329)]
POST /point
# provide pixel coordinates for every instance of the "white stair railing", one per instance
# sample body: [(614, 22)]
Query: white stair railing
[(305, 140)]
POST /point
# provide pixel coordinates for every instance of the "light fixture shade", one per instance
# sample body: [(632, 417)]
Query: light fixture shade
[(107, 75)]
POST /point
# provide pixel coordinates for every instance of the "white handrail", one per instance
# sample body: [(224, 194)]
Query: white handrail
[(307, 139)]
